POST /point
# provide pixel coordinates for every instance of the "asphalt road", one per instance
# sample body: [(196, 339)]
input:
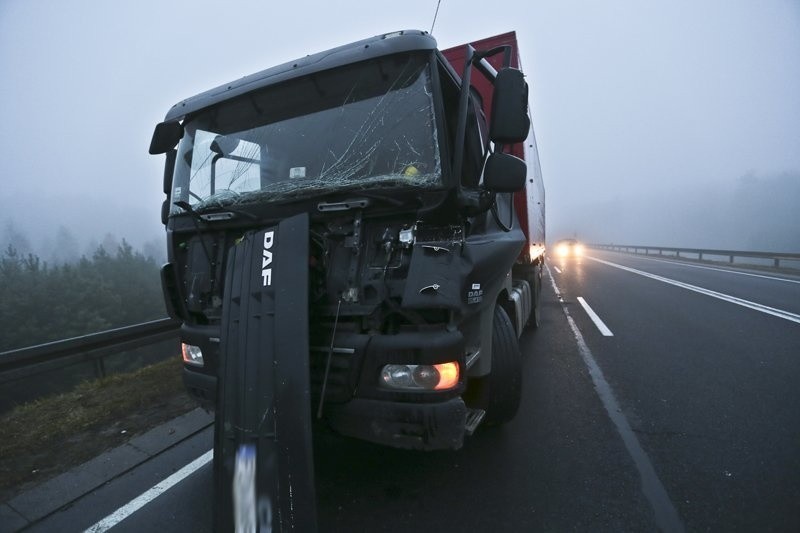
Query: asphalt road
[(687, 417)]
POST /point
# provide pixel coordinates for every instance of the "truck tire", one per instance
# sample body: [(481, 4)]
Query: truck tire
[(499, 393)]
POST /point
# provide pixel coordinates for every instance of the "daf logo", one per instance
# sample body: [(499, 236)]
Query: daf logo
[(266, 258)]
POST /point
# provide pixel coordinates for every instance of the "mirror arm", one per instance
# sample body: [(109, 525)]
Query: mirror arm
[(213, 177), (505, 48), (243, 159), (484, 67), (461, 128)]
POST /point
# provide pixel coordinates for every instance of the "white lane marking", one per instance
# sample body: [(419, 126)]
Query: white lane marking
[(596, 319), (678, 262), (151, 494), (557, 269), (780, 313), (667, 518)]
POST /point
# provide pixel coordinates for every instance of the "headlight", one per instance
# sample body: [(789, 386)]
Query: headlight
[(420, 377), (578, 249), (192, 355), (562, 249)]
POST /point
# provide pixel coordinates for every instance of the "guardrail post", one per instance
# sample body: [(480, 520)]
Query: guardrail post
[(700, 256), (99, 368), (677, 253), (731, 259), (777, 262)]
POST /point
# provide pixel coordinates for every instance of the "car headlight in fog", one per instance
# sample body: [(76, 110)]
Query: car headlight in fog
[(192, 355), (562, 250), (578, 249), (420, 377)]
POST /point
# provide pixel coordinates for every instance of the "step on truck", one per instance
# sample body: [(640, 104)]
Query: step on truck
[(355, 237)]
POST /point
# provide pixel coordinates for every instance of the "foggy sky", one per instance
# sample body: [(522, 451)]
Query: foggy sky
[(675, 124)]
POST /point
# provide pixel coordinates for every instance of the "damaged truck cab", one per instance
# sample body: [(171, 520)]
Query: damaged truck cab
[(378, 205)]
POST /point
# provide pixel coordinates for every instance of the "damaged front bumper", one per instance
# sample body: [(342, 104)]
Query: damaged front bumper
[(432, 426), (356, 403), (417, 426)]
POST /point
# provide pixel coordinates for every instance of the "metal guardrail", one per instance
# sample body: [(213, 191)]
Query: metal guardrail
[(15, 364), (775, 257)]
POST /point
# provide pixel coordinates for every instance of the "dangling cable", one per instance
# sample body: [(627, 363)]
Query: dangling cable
[(328, 363), (435, 15)]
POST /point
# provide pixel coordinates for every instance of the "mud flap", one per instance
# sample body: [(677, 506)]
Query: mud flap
[(263, 415)]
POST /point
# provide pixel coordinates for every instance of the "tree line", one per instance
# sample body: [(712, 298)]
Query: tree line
[(42, 303)]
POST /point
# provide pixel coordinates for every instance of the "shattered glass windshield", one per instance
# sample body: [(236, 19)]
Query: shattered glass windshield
[(363, 126)]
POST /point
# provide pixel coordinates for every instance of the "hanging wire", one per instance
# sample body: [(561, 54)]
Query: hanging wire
[(435, 15)]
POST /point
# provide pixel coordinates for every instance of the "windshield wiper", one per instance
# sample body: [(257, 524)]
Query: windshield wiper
[(382, 197), (344, 205), (189, 209), (359, 202)]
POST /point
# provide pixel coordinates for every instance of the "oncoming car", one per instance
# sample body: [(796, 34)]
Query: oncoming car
[(569, 247)]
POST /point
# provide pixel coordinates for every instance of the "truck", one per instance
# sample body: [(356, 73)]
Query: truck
[(355, 239)]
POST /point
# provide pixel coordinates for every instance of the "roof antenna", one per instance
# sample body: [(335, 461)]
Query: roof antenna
[(435, 15)]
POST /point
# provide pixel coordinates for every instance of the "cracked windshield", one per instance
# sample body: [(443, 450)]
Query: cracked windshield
[(363, 126)]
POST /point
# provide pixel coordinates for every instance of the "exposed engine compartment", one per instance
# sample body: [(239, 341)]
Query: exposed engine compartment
[(359, 270)]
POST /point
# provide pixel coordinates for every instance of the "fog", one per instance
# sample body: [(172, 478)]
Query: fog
[(674, 123)]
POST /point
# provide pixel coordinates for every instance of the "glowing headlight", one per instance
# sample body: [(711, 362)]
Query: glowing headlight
[(192, 355), (420, 377), (562, 249), (578, 249)]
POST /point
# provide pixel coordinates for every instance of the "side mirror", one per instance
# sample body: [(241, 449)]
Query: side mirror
[(504, 173), (510, 121), (224, 146), (166, 137)]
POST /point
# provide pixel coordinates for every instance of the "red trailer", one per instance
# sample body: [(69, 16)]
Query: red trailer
[(529, 202)]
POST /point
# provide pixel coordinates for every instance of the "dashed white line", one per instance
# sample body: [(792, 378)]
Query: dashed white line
[(780, 313), (666, 516), (557, 269), (596, 319), (151, 494)]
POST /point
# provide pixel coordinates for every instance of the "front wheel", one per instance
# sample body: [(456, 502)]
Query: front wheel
[(499, 393)]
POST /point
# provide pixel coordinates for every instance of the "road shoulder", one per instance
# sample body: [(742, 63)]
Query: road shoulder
[(32, 505)]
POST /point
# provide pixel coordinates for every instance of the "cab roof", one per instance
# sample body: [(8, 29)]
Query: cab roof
[(378, 46)]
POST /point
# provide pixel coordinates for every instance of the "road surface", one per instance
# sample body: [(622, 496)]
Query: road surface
[(657, 395)]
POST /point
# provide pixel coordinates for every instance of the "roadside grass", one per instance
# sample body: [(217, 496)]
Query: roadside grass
[(49, 436)]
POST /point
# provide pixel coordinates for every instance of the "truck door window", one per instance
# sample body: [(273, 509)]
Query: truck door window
[(475, 138)]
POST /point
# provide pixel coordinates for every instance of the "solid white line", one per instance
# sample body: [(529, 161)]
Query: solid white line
[(681, 263), (596, 319), (666, 516), (780, 313), (557, 269), (151, 494)]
